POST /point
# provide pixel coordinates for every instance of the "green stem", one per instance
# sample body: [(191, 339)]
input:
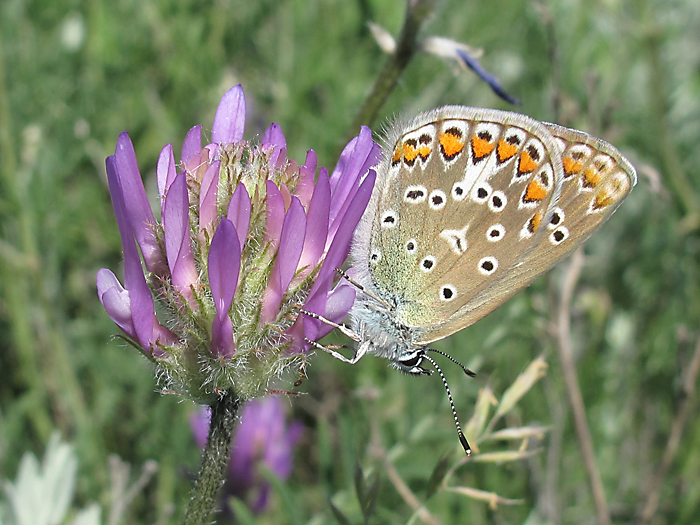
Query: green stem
[(417, 12), (215, 459)]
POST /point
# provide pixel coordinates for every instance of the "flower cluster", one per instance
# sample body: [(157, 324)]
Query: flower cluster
[(246, 238), (262, 439)]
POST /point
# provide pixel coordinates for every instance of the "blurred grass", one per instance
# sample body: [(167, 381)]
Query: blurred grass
[(74, 74)]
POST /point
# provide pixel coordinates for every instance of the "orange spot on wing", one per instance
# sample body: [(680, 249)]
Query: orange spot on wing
[(535, 192), (506, 151), (481, 147), (611, 192), (424, 152), (409, 153), (527, 164), (397, 154), (592, 177), (534, 222), (603, 199), (572, 166), (451, 144)]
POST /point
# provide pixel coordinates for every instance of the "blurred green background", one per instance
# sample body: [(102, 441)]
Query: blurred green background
[(74, 74)]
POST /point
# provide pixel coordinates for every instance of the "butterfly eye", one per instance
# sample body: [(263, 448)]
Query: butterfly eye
[(412, 360)]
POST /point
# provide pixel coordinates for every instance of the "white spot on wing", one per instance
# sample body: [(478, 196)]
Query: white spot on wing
[(457, 239)]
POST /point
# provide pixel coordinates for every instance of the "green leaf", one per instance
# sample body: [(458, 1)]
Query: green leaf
[(438, 474), (285, 495), (535, 371), (338, 515), (241, 511), (367, 496)]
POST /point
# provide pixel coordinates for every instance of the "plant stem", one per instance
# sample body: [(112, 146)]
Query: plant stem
[(417, 13), (653, 493), (574, 389), (214, 459)]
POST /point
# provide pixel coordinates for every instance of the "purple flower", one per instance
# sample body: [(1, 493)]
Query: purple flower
[(246, 237), (262, 438)]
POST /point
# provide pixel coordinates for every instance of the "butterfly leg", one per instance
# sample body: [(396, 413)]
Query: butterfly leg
[(361, 350), (364, 290), (344, 329)]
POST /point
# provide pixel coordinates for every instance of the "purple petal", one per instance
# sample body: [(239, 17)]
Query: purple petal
[(142, 308), (317, 224), (338, 304), (115, 300), (305, 187), (176, 226), (192, 144), (274, 136), (229, 122), (365, 154), (224, 266), (360, 154), (262, 438), (274, 214), (291, 244), (200, 420), (239, 212), (165, 172), (137, 209), (207, 196), (338, 251)]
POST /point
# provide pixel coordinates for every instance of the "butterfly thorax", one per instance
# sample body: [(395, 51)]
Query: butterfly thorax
[(382, 335)]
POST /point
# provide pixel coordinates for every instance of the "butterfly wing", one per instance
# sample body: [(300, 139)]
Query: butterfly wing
[(595, 179), (459, 202)]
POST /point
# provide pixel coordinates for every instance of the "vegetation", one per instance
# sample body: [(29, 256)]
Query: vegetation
[(377, 445)]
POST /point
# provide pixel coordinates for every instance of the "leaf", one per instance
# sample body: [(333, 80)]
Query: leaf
[(514, 433), (505, 456), (338, 515), (492, 498), (371, 497), (477, 423), (438, 474), (285, 495), (367, 496), (535, 371), (89, 516), (42, 493), (241, 511)]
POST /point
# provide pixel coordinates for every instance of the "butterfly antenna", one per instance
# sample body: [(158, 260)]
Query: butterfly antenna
[(462, 439), (448, 356), (364, 290)]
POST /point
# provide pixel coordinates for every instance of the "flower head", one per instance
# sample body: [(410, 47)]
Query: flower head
[(246, 237), (262, 438)]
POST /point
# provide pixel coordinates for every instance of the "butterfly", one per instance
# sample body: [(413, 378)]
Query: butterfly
[(470, 206)]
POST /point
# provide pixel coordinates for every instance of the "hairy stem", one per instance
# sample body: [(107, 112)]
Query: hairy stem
[(214, 459)]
